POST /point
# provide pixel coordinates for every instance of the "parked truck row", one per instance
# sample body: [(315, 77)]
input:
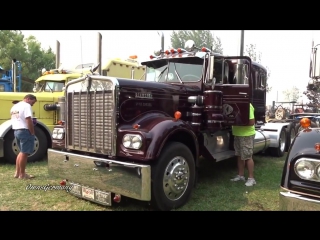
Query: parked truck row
[(49, 89)]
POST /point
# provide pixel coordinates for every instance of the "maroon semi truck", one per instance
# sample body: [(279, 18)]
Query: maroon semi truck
[(143, 139)]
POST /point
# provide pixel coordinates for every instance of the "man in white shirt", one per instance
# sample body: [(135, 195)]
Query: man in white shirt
[(22, 124)]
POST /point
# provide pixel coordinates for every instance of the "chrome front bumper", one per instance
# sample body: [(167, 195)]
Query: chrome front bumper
[(294, 202), (127, 179)]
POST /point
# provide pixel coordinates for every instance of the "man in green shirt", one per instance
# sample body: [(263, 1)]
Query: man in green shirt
[(243, 145)]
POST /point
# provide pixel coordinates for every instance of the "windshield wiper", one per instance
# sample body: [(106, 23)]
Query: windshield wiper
[(162, 72), (175, 70), (49, 87)]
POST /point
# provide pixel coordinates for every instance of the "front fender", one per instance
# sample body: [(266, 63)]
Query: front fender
[(169, 129), (157, 129), (4, 128), (7, 126)]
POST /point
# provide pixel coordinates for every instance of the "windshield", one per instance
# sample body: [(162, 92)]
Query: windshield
[(48, 86), (183, 70)]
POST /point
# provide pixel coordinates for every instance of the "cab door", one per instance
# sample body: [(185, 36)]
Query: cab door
[(236, 90)]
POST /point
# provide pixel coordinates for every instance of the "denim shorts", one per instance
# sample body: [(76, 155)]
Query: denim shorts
[(25, 140)]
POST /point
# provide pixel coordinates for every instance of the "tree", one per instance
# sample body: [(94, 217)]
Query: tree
[(33, 58), (252, 53), (201, 38), (313, 94), (292, 94)]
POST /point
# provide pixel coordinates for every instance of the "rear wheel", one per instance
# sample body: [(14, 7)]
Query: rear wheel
[(280, 150), (11, 149), (173, 177)]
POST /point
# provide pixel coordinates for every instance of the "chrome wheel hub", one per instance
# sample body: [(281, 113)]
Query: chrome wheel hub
[(176, 178)]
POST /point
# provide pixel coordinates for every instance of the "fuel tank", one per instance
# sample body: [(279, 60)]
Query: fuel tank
[(261, 141)]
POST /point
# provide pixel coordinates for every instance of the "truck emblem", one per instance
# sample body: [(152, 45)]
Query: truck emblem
[(227, 109), (144, 95)]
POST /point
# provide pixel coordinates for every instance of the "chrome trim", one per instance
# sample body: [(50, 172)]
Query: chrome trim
[(214, 121), (127, 179), (92, 104), (295, 202), (188, 114), (211, 106)]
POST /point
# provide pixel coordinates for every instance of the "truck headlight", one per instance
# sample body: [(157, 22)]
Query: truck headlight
[(305, 169), (58, 133), (133, 141)]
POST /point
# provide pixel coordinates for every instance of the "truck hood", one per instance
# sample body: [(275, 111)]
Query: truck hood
[(7, 99), (41, 96), (156, 87)]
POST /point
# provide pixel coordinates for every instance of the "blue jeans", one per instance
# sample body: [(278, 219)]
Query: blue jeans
[(25, 140)]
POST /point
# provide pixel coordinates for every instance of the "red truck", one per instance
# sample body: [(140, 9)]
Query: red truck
[(143, 139)]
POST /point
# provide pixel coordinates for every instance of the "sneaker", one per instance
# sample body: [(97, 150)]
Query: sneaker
[(250, 182), (238, 178)]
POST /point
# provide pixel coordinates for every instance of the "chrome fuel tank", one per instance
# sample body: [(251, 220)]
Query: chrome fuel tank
[(261, 141)]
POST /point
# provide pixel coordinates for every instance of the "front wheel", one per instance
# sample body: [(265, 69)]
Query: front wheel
[(11, 148), (173, 177)]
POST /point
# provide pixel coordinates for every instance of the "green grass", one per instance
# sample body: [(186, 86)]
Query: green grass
[(214, 192)]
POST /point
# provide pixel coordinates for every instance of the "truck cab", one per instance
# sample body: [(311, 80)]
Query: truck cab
[(143, 139)]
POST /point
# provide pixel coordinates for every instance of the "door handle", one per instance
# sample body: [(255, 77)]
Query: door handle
[(243, 93)]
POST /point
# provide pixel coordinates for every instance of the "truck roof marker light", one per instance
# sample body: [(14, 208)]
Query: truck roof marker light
[(136, 126), (317, 147), (133, 57), (181, 50), (173, 50), (177, 115), (305, 123), (204, 49)]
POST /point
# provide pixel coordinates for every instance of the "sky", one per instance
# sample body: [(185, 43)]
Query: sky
[(285, 52)]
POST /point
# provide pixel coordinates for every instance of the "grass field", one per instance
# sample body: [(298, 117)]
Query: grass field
[(214, 192)]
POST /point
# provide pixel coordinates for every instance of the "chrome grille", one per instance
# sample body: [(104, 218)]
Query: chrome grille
[(91, 121)]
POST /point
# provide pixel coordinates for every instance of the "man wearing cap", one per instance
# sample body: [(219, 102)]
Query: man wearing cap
[(22, 124)]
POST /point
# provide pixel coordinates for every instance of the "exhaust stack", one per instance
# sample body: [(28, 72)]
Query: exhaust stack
[(99, 51), (58, 55), (14, 75)]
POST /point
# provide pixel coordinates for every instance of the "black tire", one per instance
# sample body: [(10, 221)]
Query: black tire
[(299, 128), (281, 149), (174, 160), (11, 149), (291, 134)]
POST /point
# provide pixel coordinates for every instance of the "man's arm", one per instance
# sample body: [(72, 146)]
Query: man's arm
[(30, 125)]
